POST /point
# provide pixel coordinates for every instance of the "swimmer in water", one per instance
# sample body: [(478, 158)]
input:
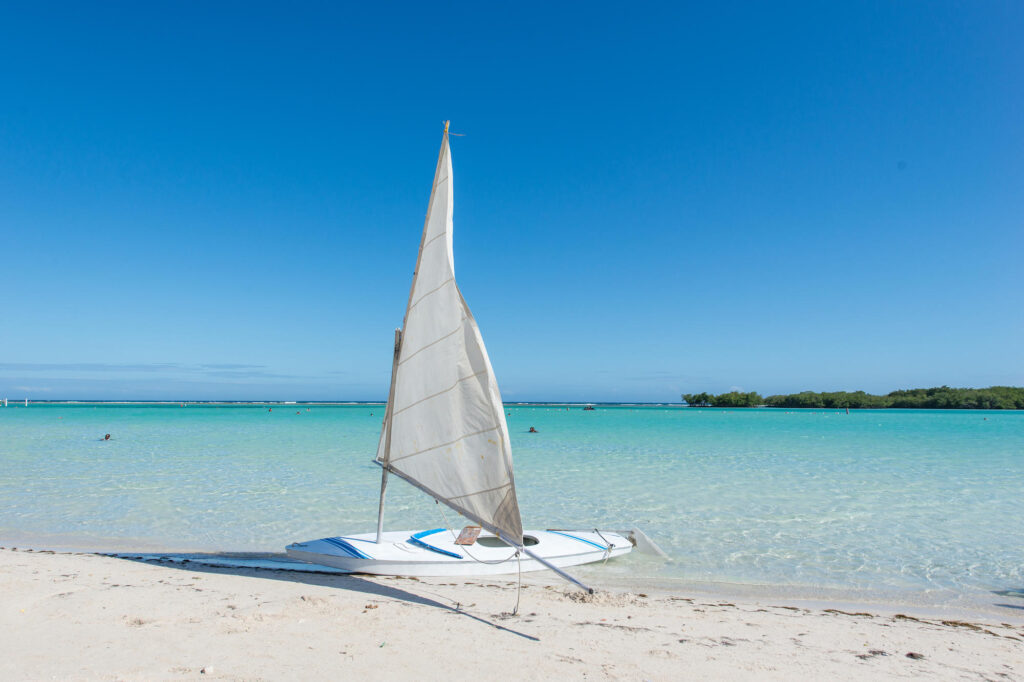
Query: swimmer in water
[(533, 430), (106, 437)]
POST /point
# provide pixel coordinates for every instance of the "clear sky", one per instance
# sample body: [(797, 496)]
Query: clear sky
[(215, 200)]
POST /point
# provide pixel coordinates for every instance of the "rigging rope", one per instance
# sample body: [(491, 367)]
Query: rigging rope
[(519, 582), (608, 549), (516, 554)]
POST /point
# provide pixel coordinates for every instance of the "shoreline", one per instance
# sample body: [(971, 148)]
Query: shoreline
[(958, 606), (118, 618)]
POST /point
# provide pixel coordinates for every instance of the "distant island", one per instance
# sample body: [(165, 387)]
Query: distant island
[(941, 398)]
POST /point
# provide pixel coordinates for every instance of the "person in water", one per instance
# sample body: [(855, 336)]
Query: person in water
[(106, 437), (533, 430)]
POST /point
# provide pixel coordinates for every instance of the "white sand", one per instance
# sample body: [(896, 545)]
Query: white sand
[(82, 616)]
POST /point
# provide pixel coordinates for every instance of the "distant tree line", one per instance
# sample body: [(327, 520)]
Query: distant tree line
[(942, 398), (732, 399)]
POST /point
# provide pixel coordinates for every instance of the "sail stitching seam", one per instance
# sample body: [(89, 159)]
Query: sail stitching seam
[(421, 400), (451, 333), (480, 492), (434, 239), (417, 302), (435, 447)]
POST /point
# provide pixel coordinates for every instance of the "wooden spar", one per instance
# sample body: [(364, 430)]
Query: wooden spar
[(380, 509), (562, 574), (387, 437)]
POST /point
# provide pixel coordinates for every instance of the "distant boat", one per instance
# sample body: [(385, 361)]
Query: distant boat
[(588, 407), (445, 433)]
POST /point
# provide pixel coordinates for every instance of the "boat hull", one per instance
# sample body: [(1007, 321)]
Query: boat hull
[(434, 553)]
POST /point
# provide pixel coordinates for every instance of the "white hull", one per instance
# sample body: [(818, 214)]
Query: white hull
[(434, 553)]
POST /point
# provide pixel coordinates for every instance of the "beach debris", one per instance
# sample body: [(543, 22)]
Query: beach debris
[(850, 613), (914, 655), (963, 624), (903, 616), (872, 653), (970, 626), (206, 670), (618, 626)]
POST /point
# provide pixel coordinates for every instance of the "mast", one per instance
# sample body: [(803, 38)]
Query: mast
[(387, 436)]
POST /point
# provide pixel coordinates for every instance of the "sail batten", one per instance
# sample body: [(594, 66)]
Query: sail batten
[(446, 422)]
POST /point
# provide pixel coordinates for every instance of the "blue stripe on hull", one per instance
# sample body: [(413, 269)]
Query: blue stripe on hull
[(600, 547), (415, 540), (347, 548)]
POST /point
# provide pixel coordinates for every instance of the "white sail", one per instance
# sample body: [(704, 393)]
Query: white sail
[(448, 434)]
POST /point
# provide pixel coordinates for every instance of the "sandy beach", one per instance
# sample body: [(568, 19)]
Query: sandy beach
[(86, 616)]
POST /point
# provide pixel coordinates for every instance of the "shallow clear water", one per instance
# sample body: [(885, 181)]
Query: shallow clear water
[(923, 505)]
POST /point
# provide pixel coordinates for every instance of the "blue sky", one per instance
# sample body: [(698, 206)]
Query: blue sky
[(214, 200)]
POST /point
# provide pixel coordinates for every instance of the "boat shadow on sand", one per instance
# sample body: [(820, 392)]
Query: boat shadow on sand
[(279, 567)]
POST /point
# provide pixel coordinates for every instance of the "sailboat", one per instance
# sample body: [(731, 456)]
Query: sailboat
[(445, 433)]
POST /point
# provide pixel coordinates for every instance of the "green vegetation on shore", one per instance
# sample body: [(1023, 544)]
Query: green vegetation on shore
[(940, 398)]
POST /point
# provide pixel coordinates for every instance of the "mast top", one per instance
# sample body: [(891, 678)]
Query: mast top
[(446, 127)]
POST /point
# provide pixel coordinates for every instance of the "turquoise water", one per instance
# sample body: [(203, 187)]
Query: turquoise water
[(927, 505)]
